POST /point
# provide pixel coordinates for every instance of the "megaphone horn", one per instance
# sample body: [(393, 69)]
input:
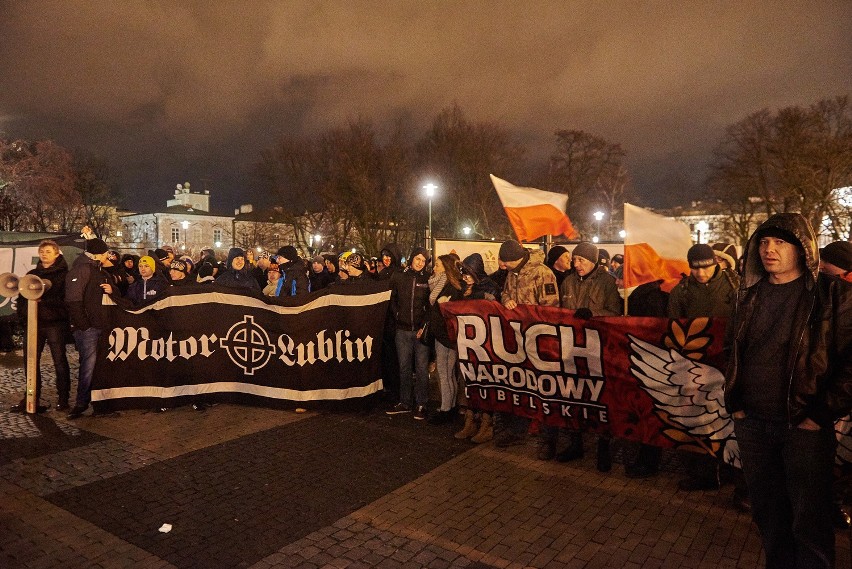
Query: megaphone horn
[(32, 287), (8, 285)]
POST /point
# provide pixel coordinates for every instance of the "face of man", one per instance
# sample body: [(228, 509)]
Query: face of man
[(704, 274), (386, 260), (273, 276), (318, 267), (583, 266), (238, 263), (329, 265), (146, 271), (824, 267), (418, 262), (563, 263), (47, 255), (780, 259), (176, 274), (263, 263)]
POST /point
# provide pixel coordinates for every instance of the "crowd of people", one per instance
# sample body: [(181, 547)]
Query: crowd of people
[(788, 305)]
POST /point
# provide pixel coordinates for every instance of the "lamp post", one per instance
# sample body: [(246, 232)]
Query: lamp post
[(430, 192), (185, 225), (701, 227), (598, 215), (466, 230)]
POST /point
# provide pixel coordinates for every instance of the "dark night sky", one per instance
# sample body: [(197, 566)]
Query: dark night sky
[(175, 91)]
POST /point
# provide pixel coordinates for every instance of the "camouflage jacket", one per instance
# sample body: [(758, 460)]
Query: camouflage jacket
[(532, 283)]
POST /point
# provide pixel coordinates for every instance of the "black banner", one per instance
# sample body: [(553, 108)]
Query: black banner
[(219, 344)]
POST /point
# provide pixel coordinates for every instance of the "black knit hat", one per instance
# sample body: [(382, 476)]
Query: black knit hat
[(288, 252), (511, 250), (778, 233), (96, 246), (701, 256), (838, 254)]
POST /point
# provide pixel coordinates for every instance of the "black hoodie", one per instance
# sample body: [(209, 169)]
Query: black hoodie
[(51, 306)]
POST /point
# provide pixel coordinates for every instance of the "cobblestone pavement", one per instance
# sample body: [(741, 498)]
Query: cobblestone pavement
[(260, 488)]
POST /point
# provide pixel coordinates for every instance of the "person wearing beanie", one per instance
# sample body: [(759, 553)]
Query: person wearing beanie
[(179, 273), (294, 273), (603, 259), (236, 273), (559, 261), (206, 272), (836, 259), (332, 264), (319, 277), (150, 284), (788, 379), (528, 281), (273, 277), (85, 286), (113, 267), (409, 302), (589, 291), (260, 268), (709, 290)]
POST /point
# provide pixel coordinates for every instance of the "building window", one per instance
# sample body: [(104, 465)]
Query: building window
[(217, 235), (196, 235), (175, 234)]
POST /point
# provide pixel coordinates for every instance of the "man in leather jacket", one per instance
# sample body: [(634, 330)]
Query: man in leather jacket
[(789, 378)]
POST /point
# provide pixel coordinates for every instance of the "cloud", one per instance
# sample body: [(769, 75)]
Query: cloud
[(140, 81)]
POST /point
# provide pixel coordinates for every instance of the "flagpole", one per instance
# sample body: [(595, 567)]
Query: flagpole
[(624, 261)]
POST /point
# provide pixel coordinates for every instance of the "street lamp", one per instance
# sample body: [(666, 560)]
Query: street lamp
[(622, 234), (701, 227), (598, 215), (430, 192), (466, 230), (185, 225)]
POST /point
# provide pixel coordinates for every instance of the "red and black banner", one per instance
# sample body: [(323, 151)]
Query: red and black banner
[(215, 344), (651, 380)]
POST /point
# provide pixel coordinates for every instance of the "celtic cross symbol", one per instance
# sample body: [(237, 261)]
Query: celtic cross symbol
[(248, 345)]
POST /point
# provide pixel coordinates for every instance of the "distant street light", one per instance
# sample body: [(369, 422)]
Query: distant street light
[(598, 215), (701, 227), (595, 239), (185, 225), (622, 234), (430, 193), (466, 230)]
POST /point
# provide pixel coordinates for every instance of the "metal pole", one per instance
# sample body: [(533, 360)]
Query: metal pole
[(32, 354), (429, 234)]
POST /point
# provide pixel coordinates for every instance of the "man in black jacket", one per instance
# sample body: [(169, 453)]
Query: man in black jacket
[(52, 323), (409, 299), (788, 380), (85, 286)]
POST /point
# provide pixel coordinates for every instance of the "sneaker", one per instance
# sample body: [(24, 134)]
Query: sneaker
[(420, 413), (77, 411), (398, 408)]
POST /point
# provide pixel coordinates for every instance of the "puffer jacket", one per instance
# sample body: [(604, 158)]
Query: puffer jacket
[(531, 282), (820, 363), (51, 306), (596, 291)]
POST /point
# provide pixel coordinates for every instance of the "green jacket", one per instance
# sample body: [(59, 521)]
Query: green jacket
[(596, 291), (716, 298)]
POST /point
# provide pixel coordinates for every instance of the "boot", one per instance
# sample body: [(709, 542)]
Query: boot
[(486, 430), (469, 428)]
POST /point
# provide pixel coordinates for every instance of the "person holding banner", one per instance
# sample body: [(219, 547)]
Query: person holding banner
[(52, 324), (85, 285), (236, 273), (788, 380), (589, 290), (528, 281)]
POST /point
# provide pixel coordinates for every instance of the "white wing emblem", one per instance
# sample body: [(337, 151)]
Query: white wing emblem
[(689, 391)]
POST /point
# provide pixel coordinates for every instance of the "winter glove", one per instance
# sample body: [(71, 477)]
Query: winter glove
[(583, 313)]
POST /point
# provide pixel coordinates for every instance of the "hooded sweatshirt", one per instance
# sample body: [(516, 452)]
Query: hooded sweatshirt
[(234, 278)]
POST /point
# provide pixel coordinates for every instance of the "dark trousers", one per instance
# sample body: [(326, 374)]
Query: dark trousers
[(789, 474), (54, 337)]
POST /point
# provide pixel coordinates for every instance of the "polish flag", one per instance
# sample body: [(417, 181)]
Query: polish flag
[(534, 213), (654, 248)]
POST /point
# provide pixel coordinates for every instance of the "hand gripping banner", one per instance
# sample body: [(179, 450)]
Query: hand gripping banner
[(218, 344), (651, 380)]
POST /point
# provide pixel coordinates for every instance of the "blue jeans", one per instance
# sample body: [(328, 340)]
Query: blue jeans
[(408, 347), (87, 347), (789, 475), (446, 360)]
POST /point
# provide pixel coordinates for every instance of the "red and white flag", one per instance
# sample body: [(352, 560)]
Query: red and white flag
[(534, 213), (654, 248)]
